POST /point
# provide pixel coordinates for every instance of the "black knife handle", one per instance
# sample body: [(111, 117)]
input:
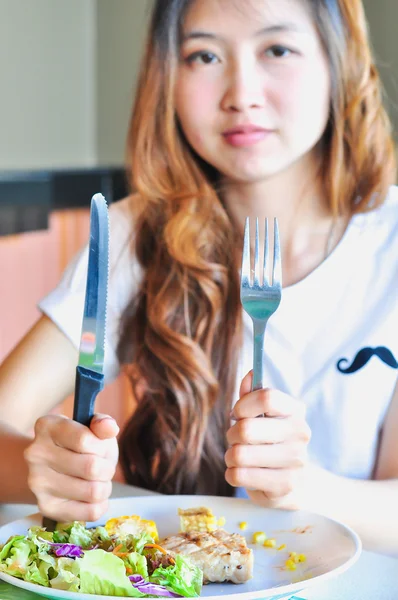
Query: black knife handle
[(88, 385)]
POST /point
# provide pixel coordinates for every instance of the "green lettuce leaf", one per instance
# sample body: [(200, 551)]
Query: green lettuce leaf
[(100, 538), (17, 555), (80, 536), (68, 575), (140, 541), (47, 564), (100, 533), (34, 575), (183, 578), (6, 547), (104, 573), (38, 532), (40, 538), (60, 536), (138, 564)]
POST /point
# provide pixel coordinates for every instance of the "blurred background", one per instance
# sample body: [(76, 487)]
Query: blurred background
[(68, 71)]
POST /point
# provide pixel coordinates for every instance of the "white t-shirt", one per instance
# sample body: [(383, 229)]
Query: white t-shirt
[(348, 304)]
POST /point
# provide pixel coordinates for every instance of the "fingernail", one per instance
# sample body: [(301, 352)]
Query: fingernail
[(100, 418)]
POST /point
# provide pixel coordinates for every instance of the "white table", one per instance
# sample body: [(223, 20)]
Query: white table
[(373, 577)]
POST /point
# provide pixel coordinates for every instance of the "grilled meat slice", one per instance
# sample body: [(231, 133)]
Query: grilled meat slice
[(222, 556)]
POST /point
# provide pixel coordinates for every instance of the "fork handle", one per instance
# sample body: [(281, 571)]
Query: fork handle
[(258, 355)]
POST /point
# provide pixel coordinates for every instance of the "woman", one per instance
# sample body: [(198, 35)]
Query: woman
[(246, 108)]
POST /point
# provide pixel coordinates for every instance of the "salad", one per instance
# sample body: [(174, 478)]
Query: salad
[(121, 558)]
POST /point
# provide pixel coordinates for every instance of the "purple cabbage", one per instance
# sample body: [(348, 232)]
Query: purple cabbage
[(145, 587), (67, 550)]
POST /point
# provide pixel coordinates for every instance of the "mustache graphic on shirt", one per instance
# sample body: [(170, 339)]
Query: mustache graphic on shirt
[(364, 355)]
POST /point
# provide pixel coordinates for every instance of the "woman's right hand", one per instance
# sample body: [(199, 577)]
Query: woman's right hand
[(71, 466)]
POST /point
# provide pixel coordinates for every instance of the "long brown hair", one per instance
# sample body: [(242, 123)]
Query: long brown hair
[(359, 155), (181, 333)]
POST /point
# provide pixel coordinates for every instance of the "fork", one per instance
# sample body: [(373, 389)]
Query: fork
[(260, 298)]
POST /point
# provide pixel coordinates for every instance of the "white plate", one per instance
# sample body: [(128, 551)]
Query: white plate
[(330, 547)]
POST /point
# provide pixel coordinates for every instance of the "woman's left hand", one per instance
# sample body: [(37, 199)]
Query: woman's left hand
[(268, 456)]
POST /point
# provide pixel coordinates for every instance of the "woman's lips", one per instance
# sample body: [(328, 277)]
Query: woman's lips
[(246, 135)]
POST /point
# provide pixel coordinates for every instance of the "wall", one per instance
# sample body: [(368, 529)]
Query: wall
[(68, 69), (47, 83), (383, 18), (121, 28)]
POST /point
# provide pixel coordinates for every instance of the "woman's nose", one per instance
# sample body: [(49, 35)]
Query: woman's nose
[(244, 90)]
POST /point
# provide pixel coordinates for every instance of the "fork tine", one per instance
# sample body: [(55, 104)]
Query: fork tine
[(256, 281), (245, 274), (266, 257), (277, 266), (260, 302)]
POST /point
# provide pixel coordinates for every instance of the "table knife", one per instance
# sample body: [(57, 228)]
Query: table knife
[(90, 368)]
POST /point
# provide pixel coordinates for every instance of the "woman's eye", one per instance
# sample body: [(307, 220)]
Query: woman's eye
[(204, 58), (278, 52)]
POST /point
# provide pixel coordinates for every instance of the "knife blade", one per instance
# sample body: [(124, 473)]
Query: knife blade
[(90, 368)]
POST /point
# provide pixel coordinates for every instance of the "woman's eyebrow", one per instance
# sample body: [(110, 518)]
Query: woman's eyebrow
[(281, 27)]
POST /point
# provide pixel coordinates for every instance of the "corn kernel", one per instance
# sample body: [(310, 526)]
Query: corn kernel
[(282, 547), (221, 522), (259, 537), (302, 558), (293, 556), (290, 564), (271, 543), (243, 525)]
